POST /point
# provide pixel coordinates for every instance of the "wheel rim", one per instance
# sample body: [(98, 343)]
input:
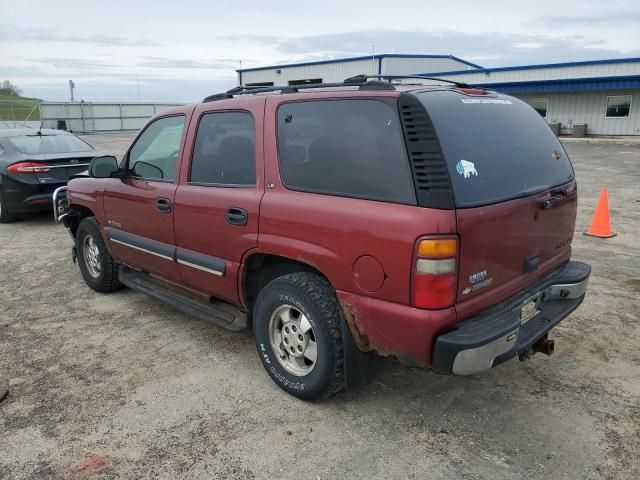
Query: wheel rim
[(293, 340), (91, 256)]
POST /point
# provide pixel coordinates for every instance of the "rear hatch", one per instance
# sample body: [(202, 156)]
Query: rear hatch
[(514, 190)]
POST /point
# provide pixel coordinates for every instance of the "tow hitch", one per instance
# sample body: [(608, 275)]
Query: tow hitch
[(542, 345)]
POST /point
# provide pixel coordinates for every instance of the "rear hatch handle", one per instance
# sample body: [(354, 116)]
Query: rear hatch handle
[(558, 196)]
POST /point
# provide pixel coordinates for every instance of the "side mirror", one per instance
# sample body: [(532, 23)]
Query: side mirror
[(103, 167), (146, 170)]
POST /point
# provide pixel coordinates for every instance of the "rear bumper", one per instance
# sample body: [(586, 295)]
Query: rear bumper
[(499, 334), (27, 195)]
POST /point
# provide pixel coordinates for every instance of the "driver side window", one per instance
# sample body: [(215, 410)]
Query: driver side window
[(155, 153)]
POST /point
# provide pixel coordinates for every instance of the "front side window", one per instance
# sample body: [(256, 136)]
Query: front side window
[(351, 148), (540, 105), (155, 153), (618, 106), (224, 151)]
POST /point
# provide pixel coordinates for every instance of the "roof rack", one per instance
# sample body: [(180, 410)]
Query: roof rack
[(360, 81), (364, 78)]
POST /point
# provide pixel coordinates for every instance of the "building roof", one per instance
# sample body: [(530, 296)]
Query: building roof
[(537, 66), (352, 59), (626, 82), (522, 79)]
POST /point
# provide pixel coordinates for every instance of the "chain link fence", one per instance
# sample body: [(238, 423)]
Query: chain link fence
[(79, 117), (89, 117)]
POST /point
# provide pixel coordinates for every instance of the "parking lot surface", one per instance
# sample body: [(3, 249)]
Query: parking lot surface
[(122, 386)]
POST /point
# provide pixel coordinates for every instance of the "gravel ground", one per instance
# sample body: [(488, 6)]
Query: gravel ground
[(121, 386)]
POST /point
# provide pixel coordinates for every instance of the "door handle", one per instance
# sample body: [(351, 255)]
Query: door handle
[(237, 216), (163, 205)]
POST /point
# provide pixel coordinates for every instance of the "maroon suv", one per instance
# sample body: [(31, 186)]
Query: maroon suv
[(433, 223)]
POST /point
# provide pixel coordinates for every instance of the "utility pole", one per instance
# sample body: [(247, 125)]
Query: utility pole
[(373, 58), (138, 82), (71, 87)]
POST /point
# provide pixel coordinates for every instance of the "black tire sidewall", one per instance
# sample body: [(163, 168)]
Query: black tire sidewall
[(281, 292), (5, 215), (89, 226)]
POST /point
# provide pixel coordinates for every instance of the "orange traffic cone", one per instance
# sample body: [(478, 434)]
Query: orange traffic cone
[(601, 224)]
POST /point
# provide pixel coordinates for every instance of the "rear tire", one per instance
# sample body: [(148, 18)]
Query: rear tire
[(5, 215), (97, 266), (297, 327)]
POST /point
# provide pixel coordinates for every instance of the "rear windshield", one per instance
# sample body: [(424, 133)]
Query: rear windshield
[(41, 144), (496, 147)]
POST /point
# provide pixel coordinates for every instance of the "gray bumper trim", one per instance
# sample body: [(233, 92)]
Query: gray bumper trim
[(498, 334)]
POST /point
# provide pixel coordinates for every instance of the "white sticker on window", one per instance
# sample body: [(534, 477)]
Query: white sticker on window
[(466, 168), (486, 100)]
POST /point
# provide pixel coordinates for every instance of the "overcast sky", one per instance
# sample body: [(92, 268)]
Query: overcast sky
[(185, 50)]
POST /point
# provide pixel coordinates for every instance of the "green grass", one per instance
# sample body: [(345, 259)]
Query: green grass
[(21, 107)]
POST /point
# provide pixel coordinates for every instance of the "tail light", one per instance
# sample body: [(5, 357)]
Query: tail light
[(435, 274), (28, 167), (472, 91)]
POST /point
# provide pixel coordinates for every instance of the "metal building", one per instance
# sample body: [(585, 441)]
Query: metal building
[(601, 97), (337, 70)]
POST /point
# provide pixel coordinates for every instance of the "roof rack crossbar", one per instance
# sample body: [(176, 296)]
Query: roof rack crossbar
[(364, 78), (365, 84)]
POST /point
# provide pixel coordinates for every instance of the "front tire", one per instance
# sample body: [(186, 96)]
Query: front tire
[(98, 268), (297, 327)]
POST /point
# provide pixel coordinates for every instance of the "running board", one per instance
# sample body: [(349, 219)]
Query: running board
[(217, 312)]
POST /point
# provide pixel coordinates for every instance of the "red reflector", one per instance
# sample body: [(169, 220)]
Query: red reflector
[(28, 167), (472, 91), (434, 291)]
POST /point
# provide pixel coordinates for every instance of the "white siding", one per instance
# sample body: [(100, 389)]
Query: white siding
[(410, 66), (589, 107), (328, 72), (549, 73), (339, 71)]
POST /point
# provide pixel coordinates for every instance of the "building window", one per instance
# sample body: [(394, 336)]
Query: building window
[(540, 105), (260, 84), (618, 106), (305, 81)]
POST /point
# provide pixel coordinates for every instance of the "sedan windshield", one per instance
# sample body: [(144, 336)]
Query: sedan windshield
[(42, 144)]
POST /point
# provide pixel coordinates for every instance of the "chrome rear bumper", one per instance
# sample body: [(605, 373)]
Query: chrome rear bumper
[(502, 332)]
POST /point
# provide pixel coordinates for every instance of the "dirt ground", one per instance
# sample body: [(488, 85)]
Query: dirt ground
[(122, 386)]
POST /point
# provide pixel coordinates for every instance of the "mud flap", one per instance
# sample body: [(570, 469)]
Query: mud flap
[(357, 365)]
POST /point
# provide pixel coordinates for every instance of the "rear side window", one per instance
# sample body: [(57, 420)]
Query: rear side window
[(496, 147), (350, 148), (224, 151)]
